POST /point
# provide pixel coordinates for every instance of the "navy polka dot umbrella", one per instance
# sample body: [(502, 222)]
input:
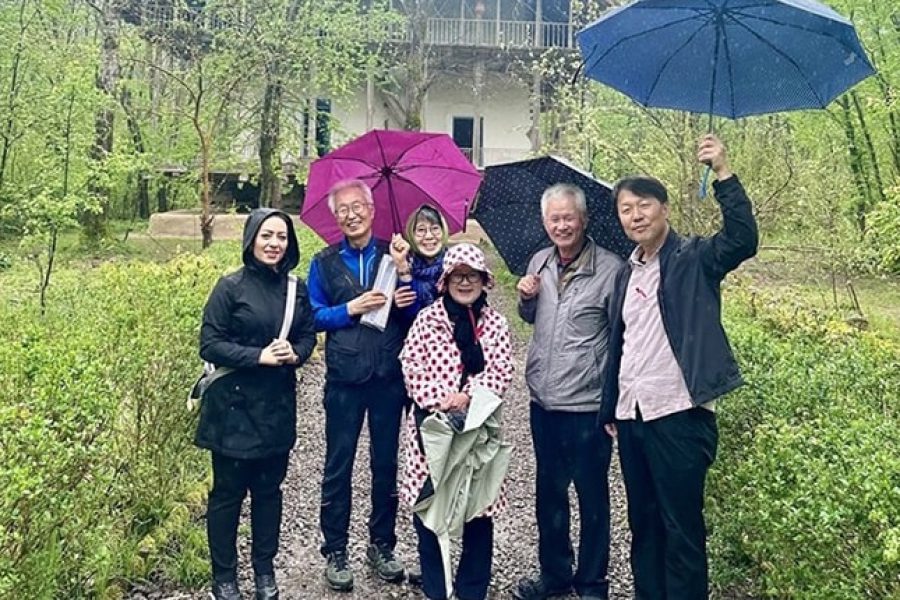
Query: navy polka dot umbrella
[(508, 208)]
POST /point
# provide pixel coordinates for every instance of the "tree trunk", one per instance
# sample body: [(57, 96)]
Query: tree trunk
[(269, 138), (94, 221), (11, 97), (870, 147), (206, 216), (137, 138), (864, 198)]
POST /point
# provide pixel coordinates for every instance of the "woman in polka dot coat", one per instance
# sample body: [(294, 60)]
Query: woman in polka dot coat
[(453, 343)]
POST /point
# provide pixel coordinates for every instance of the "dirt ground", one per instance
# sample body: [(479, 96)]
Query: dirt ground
[(299, 566)]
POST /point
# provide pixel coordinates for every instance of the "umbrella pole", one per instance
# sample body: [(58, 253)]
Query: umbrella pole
[(702, 191)]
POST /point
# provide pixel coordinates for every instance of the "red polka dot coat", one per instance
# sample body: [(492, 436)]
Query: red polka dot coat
[(432, 369)]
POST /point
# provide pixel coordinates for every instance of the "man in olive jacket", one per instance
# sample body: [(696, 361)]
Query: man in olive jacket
[(566, 296), (669, 360)]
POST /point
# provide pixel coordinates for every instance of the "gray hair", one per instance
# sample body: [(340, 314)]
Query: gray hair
[(349, 184), (565, 190)]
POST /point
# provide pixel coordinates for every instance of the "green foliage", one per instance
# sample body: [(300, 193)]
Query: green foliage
[(884, 232), (95, 442), (804, 500)]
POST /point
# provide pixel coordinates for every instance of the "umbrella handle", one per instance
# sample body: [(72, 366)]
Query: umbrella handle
[(702, 191)]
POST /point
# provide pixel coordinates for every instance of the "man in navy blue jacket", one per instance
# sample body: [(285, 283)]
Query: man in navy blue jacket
[(669, 359), (362, 376)]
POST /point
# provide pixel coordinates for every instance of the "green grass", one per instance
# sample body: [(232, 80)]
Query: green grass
[(809, 277)]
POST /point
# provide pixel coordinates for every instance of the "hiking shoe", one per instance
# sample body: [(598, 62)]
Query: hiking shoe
[(227, 590), (337, 572), (382, 560), (414, 575), (266, 588), (536, 588)]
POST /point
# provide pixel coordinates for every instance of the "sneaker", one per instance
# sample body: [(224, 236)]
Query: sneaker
[(337, 572), (227, 590), (535, 588), (266, 588), (382, 560)]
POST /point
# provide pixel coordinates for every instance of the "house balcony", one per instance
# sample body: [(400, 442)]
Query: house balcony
[(491, 33)]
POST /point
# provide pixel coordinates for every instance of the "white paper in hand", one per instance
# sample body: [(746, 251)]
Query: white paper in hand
[(386, 283)]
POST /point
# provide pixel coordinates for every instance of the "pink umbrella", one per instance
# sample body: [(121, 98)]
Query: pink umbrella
[(405, 170)]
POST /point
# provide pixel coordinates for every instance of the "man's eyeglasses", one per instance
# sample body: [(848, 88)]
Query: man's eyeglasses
[(357, 208), (434, 230), (470, 277)]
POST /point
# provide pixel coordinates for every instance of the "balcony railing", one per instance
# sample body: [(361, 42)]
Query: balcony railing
[(496, 33)]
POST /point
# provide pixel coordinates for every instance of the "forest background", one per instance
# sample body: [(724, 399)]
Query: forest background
[(99, 486)]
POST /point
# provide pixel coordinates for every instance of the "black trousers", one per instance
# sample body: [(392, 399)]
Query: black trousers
[(232, 478), (572, 448), (664, 464), (345, 409), (473, 575)]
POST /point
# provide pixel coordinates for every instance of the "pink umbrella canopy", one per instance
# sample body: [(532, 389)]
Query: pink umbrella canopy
[(405, 170)]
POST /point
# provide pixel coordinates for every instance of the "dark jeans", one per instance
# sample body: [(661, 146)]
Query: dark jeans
[(664, 464), (345, 409), (571, 447), (232, 478), (473, 575)]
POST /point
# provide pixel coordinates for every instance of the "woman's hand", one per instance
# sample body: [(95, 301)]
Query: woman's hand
[(457, 401), (277, 353), (400, 252)]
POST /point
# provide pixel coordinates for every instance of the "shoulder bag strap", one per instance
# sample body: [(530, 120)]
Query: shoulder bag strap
[(289, 305)]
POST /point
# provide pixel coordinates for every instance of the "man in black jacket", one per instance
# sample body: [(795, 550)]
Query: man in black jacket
[(669, 360)]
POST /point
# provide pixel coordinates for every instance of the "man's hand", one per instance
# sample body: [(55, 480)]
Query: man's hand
[(611, 430), (404, 296), (529, 287), (365, 302), (456, 401), (711, 152)]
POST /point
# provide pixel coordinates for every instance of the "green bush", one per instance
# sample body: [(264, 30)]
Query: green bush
[(804, 500), (96, 461)]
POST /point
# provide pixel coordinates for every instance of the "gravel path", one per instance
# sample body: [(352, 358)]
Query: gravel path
[(299, 565)]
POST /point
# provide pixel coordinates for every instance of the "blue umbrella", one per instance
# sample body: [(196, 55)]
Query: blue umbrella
[(725, 57)]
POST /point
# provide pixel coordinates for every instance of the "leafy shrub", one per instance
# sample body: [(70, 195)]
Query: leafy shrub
[(804, 500), (884, 231), (96, 461)]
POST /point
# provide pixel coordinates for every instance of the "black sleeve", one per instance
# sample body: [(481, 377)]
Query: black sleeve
[(303, 333), (738, 239), (216, 343)]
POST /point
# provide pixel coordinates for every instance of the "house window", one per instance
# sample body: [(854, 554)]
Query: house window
[(464, 136)]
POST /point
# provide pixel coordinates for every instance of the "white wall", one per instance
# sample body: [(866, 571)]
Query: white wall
[(505, 108)]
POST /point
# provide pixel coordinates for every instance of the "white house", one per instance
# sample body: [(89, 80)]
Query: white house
[(480, 96)]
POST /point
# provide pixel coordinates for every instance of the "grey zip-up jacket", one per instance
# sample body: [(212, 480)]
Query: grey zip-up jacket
[(567, 356)]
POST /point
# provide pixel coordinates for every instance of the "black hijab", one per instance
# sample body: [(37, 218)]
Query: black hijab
[(464, 319)]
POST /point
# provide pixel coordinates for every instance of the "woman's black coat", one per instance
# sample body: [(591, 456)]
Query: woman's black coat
[(252, 412)]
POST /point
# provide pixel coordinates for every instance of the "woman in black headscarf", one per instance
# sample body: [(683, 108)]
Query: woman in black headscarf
[(248, 416)]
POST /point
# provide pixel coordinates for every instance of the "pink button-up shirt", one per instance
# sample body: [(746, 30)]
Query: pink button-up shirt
[(649, 378)]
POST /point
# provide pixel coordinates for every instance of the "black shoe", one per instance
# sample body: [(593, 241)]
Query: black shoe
[(226, 591), (386, 566), (337, 572), (535, 588), (266, 588), (414, 576)]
